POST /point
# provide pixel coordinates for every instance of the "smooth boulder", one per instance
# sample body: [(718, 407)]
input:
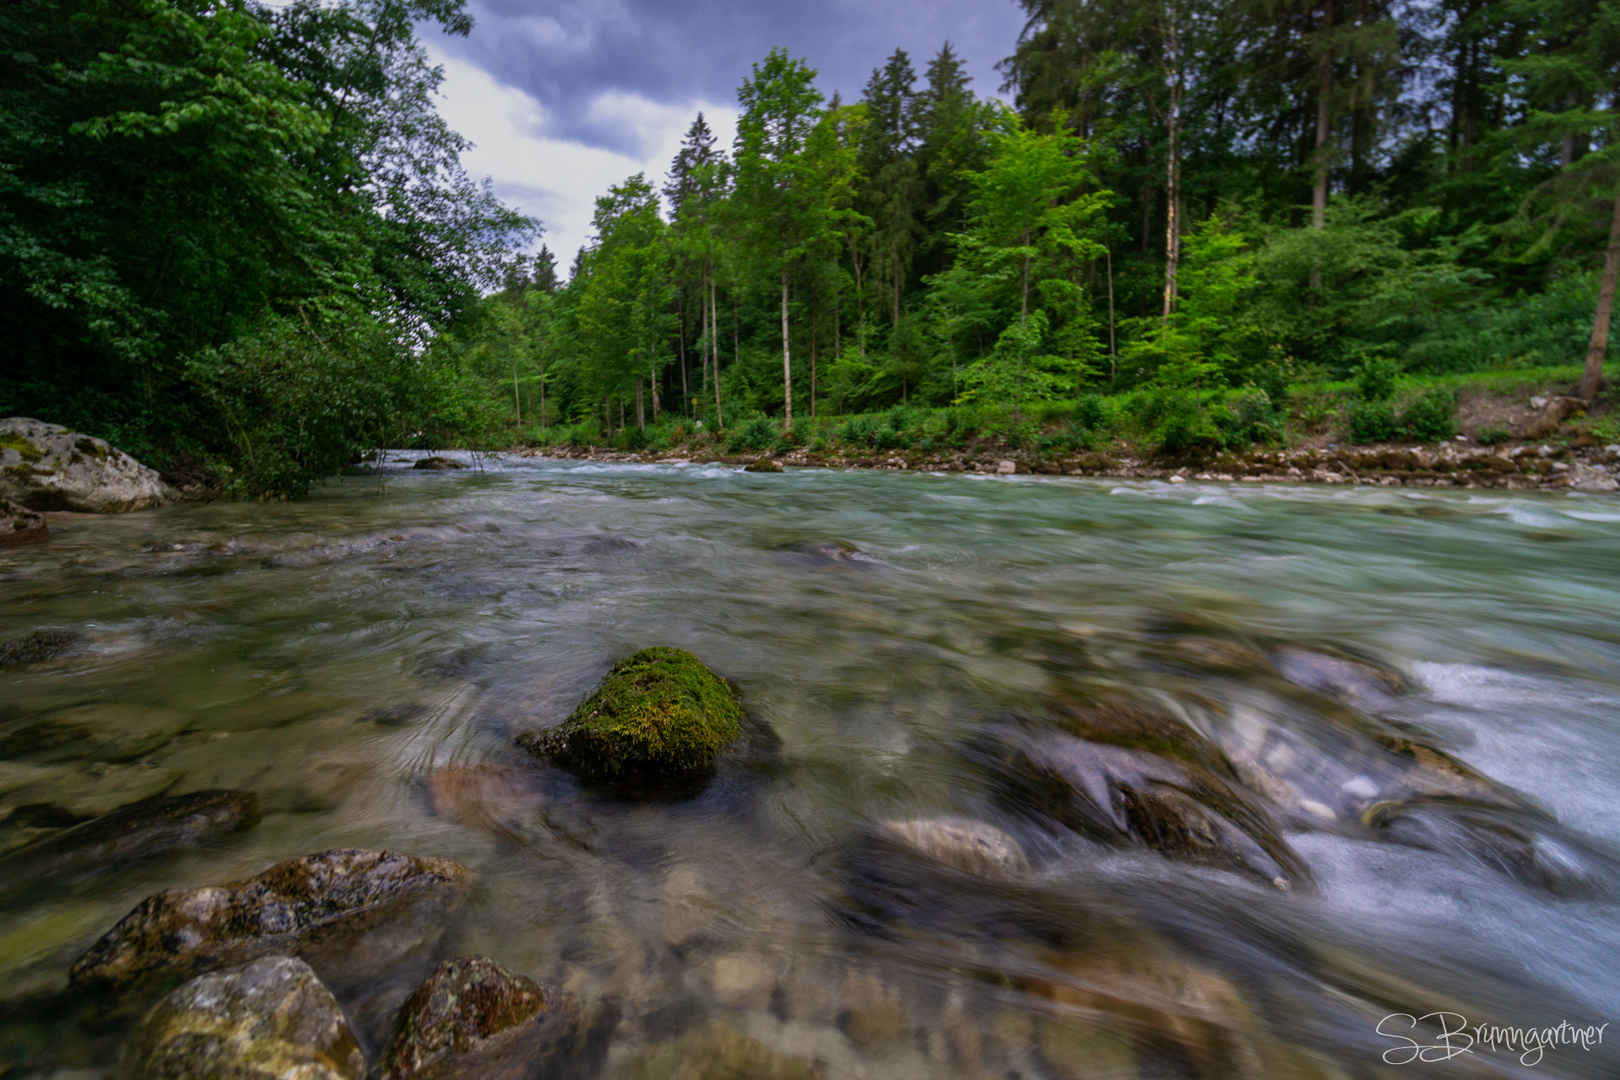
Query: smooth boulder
[(269, 1020), (973, 847), (660, 713), (20, 525), (50, 467), (437, 464), (296, 906), (473, 1018)]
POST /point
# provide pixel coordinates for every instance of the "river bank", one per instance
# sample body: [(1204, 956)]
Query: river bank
[(1520, 466)]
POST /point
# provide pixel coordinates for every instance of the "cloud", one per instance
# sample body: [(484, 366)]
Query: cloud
[(541, 169)]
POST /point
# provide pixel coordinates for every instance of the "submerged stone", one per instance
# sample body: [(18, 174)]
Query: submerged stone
[(718, 1052), (137, 831), (660, 713), (20, 525), (269, 1020), (50, 467), (1122, 774), (291, 907), (764, 466), (473, 1018), (972, 847), (1355, 682), (37, 646), (438, 464)]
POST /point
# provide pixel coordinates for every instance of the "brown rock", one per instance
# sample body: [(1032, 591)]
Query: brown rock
[(438, 464), (20, 525), (473, 1018), (295, 906)]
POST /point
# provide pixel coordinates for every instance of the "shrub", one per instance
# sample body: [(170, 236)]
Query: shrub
[(1370, 421), (1091, 413), (1248, 417), (1375, 378), (1187, 431), (632, 438), (1431, 417), (1492, 436), (760, 433), (858, 431)]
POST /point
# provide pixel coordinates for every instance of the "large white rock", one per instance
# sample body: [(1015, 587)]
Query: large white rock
[(50, 467)]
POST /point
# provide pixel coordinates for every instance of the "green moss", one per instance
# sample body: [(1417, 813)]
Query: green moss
[(10, 440), (660, 712)]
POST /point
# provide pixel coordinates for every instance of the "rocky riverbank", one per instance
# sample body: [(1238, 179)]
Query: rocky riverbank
[(1461, 464)]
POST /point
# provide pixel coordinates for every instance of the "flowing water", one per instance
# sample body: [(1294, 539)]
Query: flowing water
[(362, 661)]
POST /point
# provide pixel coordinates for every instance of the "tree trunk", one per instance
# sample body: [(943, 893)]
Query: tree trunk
[(714, 324), (1324, 91), (703, 302), (680, 342), (1023, 309), (641, 407), (1147, 218), (1172, 227), (1592, 377), (517, 402), (1113, 349), (894, 253), (813, 328), (787, 360), (542, 390)]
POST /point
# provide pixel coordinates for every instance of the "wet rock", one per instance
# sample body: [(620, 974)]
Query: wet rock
[(109, 733), (1120, 774), (763, 466), (828, 554), (269, 1020), (307, 905), (1354, 682), (1534, 852), (718, 1052), (37, 646), (488, 797), (741, 981), (137, 831), (659, 713), (1589, 481), (438, 464), (872, 1014), (1167, 1016), (20, 525), (972, 847), (473, 1018), (1006, 468), (399, 715), (49, 467)]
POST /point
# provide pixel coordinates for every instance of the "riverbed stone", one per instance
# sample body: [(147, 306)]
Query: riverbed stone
[(1353, 681), (50, 467), (37, 646), (311, 905), (139, 830), (659, 713), (438, 464), (473, 1018), (1120, 773), (764, 465), (20, 525), (718, 1052), (973, 847), (269, 1020)]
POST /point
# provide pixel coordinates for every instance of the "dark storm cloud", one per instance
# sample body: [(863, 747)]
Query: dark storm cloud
[(568, 54)]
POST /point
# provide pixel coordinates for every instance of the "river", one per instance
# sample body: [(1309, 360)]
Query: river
[(362, 661)]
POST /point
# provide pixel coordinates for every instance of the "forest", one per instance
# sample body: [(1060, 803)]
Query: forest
[(239, 239)]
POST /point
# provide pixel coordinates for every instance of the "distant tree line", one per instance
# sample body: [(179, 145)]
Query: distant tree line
[(1187, 194)]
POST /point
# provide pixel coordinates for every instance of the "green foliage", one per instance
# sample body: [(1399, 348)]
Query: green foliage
[(1375, 378), (760, 433), (1430, 417), (1370, 421)]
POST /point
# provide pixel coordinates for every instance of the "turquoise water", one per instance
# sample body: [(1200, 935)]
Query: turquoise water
[(362, 660)]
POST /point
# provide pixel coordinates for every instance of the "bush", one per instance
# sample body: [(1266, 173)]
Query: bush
[(1492, 436), (1370, 421), (1431, 417), (1187, 431), (760, 433), (1375, 378), (632, 438), (858, 431), (1091, 414), (1248, 417)]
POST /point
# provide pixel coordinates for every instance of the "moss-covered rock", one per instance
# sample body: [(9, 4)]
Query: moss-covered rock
[(37, 646), (270, 1020), (20, 525), (660, 713)]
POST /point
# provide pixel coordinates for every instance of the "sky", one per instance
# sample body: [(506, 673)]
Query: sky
[(564, 99)]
